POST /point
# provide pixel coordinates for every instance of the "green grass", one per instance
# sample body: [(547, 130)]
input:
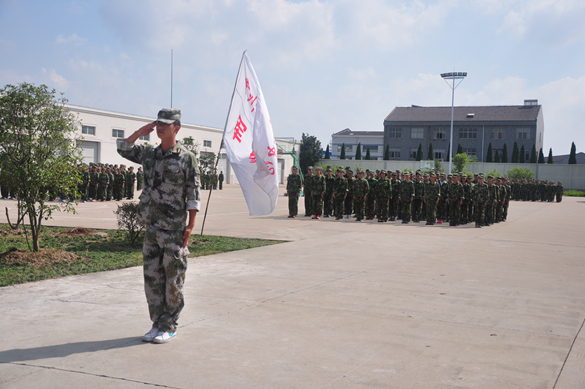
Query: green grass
[(574, 193), (98, 253)]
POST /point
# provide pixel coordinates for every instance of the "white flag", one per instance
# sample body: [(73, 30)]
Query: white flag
[(249, 142)]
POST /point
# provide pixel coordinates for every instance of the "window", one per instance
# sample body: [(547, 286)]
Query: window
[(522, 133), (417, 133), (468, 133), (471, 152), (394, 132), (118, 133), (527, 156), (206, 143), (144, 137), (338, 148), (373, 149), (348, 147), (440, 154), (394, 153), (439, 135), (88, 130), (413, 153), (497, 134)]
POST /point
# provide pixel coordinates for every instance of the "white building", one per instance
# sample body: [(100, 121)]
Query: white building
[(372, 140), (100, 129)]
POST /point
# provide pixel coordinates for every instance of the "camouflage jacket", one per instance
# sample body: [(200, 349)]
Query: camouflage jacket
[(294, 183), (329, 182), (171, 184), (419, 190), (372, 186), (318, 186), (130, 178), (492, 193), (104, 179), (395, 188), (360, 188), (432, 191), (308, 183), (480, 193), (455, 191), (406, 190), (340, 186), (383, 189), (350, 182)]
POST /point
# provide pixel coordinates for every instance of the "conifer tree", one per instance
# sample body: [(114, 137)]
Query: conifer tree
[(387, 153), (505, 154), (573, 155), (550, 157), (459, 149), (497, 156), (431, 152), (522, 155), (419, 154), (540, 156), (368, 156), (327, 156), (490, 154), (358, 152), (533, 155), (342, 155), (515, 153)]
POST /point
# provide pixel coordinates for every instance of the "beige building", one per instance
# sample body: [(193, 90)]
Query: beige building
[(100, 129)]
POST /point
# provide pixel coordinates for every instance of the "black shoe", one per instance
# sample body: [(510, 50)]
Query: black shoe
[(405, 222)]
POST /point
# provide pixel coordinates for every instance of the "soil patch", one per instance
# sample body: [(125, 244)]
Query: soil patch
[(44, 257), (79, 231)]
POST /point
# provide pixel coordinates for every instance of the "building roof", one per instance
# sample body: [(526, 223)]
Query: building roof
[(560, 159), (347, 131), (502, 113)]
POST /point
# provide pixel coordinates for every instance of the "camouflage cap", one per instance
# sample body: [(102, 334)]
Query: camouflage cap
[(295, 168), (432, 174), (339, 169), (450, 175), (418, 172), (310, 168), (168, 115), (382, 171), (455, 175), (490, 176), (480, 175), (426, 175), (397, 171), (329, 169)]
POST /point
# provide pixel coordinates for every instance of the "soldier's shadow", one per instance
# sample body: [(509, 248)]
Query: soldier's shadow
[(64, 350)]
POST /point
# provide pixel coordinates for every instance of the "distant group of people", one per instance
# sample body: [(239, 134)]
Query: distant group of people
[(211, 181), (433, 197), (106, 182)]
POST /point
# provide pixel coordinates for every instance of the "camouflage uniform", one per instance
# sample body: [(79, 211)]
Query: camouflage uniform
[(417, 202), (139, 179), (327, 199), (371, 199), (308, 181), (559, 192), (130, 178), (317, 191), (393, 203), (171, 189), (349, 198), (110, 186), (339, 191), (383, 196), (455, 198), (360, 190), (118, 185), (103, 182), (432, 193), (480, 197), (294, 183), (406, 196), (93, 184)]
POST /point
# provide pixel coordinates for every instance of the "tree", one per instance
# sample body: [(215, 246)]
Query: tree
[(459, 148), (206, 162), (38, 151), (190, 144), (520, 173), (342, 155), (550, 157), (522, 155), (419, 154), (505, 153), (327, 153), (490, 154), (387, 153), (533, 155), (515, 153), (358, 152), (540, 156), (368, 156), (460, 161), (573, 155), (310, 152), (431, 152), (497, 158)]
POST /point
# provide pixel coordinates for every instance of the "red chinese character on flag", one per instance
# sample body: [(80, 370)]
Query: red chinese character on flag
[(252, 157), (247, 84), (252, 100), (239, 129), (271, 151)]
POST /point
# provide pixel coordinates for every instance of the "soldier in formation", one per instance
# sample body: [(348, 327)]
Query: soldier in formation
[(294, 184)]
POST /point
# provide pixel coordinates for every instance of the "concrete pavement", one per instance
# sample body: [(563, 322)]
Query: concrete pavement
[(341, 305)]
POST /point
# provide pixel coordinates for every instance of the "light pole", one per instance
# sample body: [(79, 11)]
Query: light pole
[(452, 76)]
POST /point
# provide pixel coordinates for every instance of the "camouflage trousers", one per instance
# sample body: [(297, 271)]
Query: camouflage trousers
[(405, 210), (559, 197), (431, 207), (339, 205), (348, 204), (102, 192), (416, 208), (293, 203), (480, 214), (308, 205), (490, 218), (164, 276), (92, 191), (392, 207), (382, 203), (454, 212), (130, 192), (505, 214), (327, 204), (110, 192), (117, 193), (358, 207), (317, 205), (370, 206)]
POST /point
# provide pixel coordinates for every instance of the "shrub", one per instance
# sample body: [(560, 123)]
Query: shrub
[(127, 215), (574, 193), (520, 173)]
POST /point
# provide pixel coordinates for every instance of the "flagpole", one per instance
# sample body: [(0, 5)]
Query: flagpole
[(222, 137)]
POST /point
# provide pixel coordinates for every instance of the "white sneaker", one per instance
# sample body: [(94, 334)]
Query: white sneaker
[(150, 335), (164, 337)]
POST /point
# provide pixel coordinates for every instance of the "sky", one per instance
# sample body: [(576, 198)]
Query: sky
[(323, 65)]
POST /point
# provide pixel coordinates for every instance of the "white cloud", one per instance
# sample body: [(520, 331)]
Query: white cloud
[(71, 39), (56, 79)]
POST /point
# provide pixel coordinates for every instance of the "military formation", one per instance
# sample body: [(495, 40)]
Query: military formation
[(435, 198), (106, 182)]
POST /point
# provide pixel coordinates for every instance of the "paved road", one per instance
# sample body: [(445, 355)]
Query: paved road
[(340, 305)]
